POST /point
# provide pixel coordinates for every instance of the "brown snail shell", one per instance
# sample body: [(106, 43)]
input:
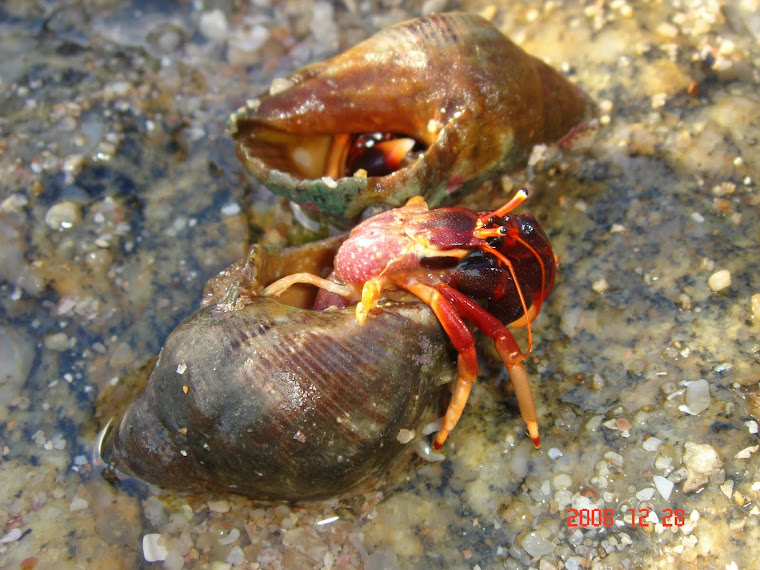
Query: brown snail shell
[(473, 100), (256, 397)]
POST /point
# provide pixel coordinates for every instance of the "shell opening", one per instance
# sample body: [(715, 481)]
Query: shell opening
[(310, 157)]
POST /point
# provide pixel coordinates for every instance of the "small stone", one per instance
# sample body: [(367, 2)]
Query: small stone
[(236, 556), (701, 461), (153, 550), (727, 488), (230, 538), (663, 486), (562, 481), (12, 536), (231, 209), (279, 84), (213, 25), (663, 462), (747, 452), (536, 545), (600, 286), (62, 216), (755, 303), (218, 506), (405, 435), (652, 444), (554, 453), (645, 494), (57, 341), (719, 280), (698, 396)]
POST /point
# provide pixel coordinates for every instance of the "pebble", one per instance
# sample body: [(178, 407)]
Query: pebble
[(652, 444), (755, 301), (62, 216), (153, 551), (213, 25), (645, 494), (719, 280), (562, 481), (218, 506), (536, 545), (701, 461), (57, 341), (600, 286), (236, 556), (663, 486), (698, 396)]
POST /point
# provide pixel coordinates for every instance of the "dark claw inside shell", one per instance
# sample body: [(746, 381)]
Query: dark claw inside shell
[(273, 401), (454, 101)]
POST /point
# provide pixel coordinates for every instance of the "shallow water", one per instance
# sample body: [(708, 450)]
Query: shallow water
[(121, 196)]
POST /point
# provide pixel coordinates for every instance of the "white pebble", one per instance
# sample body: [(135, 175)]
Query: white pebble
[(13, 535), (236, 556), (405, 435), (645, 494), (600, 285), (231, 209), (218, 506), (62, 216), (279, 84), (554, 453), (663, 462), (663, 486), (213, 25), (230, 538), (562, 481), (698, 396), (536, 545), (747, 452), (652, 444), (751, 426), (719, 280), (153, 551)]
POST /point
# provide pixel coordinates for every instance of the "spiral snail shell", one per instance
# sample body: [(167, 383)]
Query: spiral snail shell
[(452, 101), (273, 401)]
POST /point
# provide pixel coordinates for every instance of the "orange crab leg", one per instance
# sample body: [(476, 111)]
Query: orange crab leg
[(508, 350), (463, 341)]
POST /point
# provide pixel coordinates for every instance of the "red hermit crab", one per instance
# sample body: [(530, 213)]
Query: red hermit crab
[(489, 268)]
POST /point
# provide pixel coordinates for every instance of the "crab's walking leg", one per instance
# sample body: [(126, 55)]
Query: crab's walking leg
[(508, 350), (279, 286), (463, 341)]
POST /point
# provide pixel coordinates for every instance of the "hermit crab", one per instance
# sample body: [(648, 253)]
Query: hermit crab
[(300, 398), (447, 257), (430, 107)]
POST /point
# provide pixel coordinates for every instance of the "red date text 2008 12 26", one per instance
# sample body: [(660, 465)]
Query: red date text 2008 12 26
[(580, 518)]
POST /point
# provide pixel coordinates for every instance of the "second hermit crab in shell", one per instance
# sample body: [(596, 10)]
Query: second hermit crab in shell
[(492, 268)]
